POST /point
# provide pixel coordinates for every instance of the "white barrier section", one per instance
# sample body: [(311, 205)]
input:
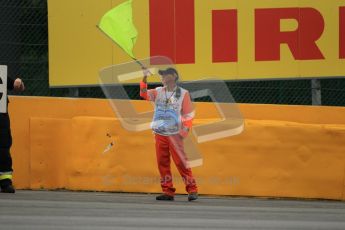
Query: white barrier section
[(3, 89)]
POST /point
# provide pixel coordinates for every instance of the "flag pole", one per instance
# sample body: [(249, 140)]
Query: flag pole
[(142, 65)]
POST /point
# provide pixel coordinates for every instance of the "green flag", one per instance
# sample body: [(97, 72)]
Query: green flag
[(118, 25)]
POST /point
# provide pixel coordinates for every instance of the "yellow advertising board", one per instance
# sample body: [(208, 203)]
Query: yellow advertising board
[(227, 39)]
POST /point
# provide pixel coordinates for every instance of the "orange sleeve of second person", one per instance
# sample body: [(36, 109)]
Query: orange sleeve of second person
[(147, 94), (188, 111)]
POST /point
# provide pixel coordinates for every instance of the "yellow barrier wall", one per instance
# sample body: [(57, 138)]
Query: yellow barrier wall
[(284, 151)]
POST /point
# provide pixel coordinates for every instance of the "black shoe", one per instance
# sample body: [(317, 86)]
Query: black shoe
[(6, 186), (192, 196), (164, 197), (8, 189)]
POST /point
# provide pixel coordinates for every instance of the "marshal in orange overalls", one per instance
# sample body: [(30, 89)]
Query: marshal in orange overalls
[(172, 120)]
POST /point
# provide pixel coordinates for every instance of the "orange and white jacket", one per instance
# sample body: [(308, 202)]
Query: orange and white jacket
[(173, 116)]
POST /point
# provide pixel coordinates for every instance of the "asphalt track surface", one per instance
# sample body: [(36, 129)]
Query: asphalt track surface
[(91, 210)]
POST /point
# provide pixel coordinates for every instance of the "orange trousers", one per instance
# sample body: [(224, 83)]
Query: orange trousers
[(173, 145)]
